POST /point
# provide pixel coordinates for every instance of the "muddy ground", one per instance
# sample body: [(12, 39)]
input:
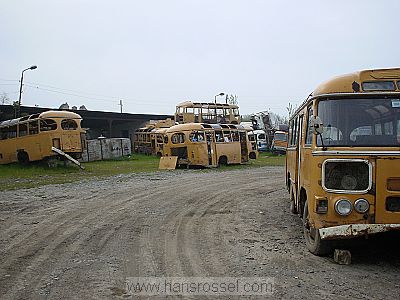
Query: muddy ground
[(81, 240)]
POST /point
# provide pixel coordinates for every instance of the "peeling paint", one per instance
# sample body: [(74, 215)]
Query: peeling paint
[(353, 230)]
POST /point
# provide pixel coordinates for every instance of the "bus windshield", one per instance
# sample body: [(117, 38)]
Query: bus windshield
[(360, 122), (280, 137)]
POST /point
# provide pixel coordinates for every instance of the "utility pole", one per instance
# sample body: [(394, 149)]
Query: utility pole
[(18, 111), (120, 104)]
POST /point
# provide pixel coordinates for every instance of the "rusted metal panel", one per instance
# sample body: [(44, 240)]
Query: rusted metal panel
[(168, 162), (101, 149), (353, 230)]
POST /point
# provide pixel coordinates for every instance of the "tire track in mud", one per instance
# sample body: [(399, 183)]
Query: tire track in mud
[(83, 240)]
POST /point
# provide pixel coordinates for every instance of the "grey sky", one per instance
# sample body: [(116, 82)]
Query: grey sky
[(154, 54)]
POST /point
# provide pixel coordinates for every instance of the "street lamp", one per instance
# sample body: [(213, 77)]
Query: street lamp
[(20, 87), (215, 98)]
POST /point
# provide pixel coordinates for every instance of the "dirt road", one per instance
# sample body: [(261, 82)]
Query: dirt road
[(81, 240)]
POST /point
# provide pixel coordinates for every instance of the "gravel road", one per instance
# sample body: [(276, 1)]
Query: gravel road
[(81, 240)]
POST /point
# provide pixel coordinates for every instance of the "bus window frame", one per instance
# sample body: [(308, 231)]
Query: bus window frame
[(181, 141), (309, 130)]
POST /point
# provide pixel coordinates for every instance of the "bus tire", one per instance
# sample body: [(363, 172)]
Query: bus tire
[(313, 240), (252, 155), (23, 157), (222, 161)]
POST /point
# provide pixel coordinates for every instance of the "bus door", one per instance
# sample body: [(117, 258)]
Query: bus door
[(211, 151), (299, 151), (244, 151)]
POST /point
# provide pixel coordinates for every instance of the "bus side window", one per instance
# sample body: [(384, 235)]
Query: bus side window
[(235, 136), (3, 133), (22, 129), (219, 137), (227, 137), (309, 133), (178, 138), (69, 124), (47, 124), (12, 132), (159, 138), (33, 127)]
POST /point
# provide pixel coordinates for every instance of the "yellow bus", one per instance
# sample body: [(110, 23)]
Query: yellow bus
[(279, 142), (252, 140), (149, 139), (144, 140), (31, 138), (343, 158), (209, 113), (159, 136), (207, 145)]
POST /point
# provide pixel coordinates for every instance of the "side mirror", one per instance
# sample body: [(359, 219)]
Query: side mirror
[(316, 123)]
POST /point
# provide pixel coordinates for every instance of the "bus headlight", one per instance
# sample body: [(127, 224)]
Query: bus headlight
[(343, 207), (361, 206)]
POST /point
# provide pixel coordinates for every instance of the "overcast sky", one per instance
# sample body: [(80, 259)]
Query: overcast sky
[(153, 54)]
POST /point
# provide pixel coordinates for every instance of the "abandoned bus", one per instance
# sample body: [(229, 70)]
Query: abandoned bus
[(261, 138), (159, 135), (210, 113), (31, 138), (149, 139), (207, 145), (252, 140), (144, 141), (343, 158), (279, 142)]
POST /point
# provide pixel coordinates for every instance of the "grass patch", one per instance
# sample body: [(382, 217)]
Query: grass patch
[(15, 176)]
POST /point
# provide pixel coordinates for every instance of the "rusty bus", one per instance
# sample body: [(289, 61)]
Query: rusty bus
[(207, 145), (343, 158), (149, 139), (41, 136), (204, 112)]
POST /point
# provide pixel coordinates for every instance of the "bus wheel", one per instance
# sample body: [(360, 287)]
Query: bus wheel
[(23, 157), (222, 161), (252, 155), (313, 240)]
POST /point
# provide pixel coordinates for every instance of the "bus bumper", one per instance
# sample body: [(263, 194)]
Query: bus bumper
[(354, 230)]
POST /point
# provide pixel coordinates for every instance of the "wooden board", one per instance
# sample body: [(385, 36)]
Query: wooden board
[(168, 162)]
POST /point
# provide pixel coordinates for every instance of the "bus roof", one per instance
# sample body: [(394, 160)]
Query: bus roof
[(44, 115), (200, 126), (348, 83), (187, 126), (353, 84), (205, 104), (59, 114)]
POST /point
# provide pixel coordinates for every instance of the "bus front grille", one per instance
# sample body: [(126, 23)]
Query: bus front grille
[(352, 176)]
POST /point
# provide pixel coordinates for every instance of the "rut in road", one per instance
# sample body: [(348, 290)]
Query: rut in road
[(82, 240)]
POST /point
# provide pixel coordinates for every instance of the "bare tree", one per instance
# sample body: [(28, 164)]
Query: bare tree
[(4, 99), (291, 109)]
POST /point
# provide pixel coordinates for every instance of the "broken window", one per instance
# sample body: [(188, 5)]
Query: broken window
[(219, 137), (33, 127), (47, 124), (196, 136), (178, 138), (69, 124), (12, 131), (23, 129)]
